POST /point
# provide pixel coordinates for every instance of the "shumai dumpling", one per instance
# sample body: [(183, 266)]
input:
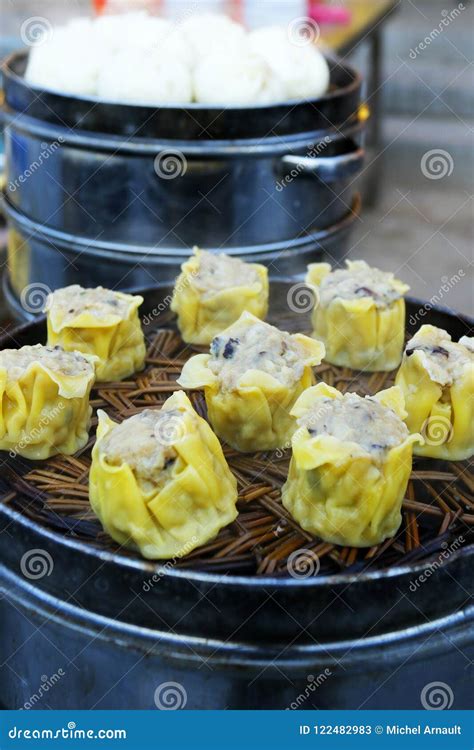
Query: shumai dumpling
[(213, 290), (251, 379), (437, 380), (99, 322), (352, 458), (44, 401), (359, 315), (159, 481)]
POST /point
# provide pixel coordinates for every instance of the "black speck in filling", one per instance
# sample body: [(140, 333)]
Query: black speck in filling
[(215, 346), (440, 350), (169, 462), (230, 347), (365, 290)]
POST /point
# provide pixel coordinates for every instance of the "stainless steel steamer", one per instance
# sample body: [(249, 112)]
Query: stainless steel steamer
[(172, 177)]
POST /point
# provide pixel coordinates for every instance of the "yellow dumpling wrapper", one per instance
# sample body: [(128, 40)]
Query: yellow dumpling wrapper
[(255, 412), (44, 412), (439, 400), (100, 322), (338, 489), (213, 290), (183, 509), (359, 332)]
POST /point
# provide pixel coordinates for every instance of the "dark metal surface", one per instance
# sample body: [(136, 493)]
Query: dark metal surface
[(53, 258), (161, 178), (192, 121)]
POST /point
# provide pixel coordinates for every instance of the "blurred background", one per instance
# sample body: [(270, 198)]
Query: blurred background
[(416, 57)]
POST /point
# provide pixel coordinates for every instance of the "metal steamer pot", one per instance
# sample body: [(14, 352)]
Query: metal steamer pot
[(172, 177), (122, 629), (37, 255)]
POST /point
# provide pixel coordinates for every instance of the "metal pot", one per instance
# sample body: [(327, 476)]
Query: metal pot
[(228, 641), (174, 177), (38, 255)]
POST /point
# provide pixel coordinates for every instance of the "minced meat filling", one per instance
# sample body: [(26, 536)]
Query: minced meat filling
[(359, 282), (443, 359), (373, 426), (72, 301), (17, 361), (256, 347), (219, 271), (145, 443)]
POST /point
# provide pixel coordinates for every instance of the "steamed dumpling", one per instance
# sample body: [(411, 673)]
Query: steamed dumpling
[(303, 71)]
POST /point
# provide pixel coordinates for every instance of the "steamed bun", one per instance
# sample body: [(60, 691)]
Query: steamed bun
[(207, 33), (158, 82), (61, 63), (303, 71), (235, 78)]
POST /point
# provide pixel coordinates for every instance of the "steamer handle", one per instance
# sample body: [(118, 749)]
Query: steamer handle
[(327, 168)]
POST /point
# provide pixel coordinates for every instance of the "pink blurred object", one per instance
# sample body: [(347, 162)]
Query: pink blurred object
[(326, 14)]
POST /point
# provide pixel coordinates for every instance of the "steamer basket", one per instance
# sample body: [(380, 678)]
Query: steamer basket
[(38, 256), (171, 177), (372, 633)]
